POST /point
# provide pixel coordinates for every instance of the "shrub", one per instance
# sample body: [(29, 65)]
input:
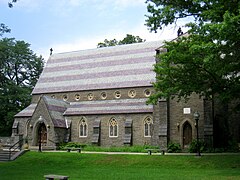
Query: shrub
[(62, 146), (194, 146), (233, 146), (174, 147), (134, 148)]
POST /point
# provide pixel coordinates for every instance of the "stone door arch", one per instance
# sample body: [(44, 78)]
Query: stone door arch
[(187, 134)]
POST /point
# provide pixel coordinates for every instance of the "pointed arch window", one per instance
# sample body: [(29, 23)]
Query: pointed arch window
[(148, 126), (83, 128), (113, 128)]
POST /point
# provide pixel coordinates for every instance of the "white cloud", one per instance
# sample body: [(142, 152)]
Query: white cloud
[(104, 6), (66, 4), (127, 3), (117, 30), (4, 2), (58, 6), (77, 44), (90, 42), (28, 5)]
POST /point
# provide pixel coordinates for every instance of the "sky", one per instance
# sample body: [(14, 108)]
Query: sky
[(70, 25)]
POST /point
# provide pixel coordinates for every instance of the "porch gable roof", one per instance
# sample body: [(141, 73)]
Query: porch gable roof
[(27, 112)]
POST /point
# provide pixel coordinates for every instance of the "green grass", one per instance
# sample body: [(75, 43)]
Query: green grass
[(119, 149), (34, 165)]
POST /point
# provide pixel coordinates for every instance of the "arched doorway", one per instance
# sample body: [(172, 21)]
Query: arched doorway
[(42, 134), (187, 134)]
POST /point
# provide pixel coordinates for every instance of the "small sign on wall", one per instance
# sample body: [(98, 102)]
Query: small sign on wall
[(186, 110)]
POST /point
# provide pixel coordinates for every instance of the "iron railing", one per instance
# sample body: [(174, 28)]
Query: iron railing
[(18, 145)]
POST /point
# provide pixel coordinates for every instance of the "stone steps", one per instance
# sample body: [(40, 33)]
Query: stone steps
[(4, 156)]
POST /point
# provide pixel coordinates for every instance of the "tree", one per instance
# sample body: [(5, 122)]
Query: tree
[(207, 61), (20, 68), (10, 4), (129, 39), (107, 43), (3, 27)]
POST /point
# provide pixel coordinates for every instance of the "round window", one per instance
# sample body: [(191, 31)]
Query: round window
[(132, 93), (117, 94), (90, 96), (103, 95), (77, 97), (147, 92), (65, 97)]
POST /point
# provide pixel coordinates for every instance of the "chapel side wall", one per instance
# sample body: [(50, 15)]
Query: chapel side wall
[(22, 126), (137, 129), (178, 118), (137, 126)]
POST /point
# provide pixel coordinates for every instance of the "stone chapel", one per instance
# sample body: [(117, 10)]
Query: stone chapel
[(98, 96)]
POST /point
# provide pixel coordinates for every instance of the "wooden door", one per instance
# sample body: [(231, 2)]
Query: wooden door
[(187, 134), (42, 134)]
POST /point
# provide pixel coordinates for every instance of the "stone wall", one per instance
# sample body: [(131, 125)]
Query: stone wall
[(137, 119), (137, 129), (6, 141), (226, 123), (160, 128), (169, 118), (182, 112), (22, 125)]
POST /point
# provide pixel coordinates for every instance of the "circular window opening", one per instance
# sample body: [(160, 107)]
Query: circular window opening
[(65, 97), (77, 97), (103, 95), (147, 92), (117, 94), (132, 93), (90, 96)]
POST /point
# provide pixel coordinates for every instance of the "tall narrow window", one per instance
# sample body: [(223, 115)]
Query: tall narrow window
[(147, 126), (83, 128), (113, 128)]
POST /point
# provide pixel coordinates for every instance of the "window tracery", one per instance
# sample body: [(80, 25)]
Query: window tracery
[(113, 128)]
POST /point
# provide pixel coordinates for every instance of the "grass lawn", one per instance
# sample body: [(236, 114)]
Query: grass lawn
[(34, 165)]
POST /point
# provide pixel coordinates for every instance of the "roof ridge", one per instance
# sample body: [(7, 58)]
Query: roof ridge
[(104, 48)]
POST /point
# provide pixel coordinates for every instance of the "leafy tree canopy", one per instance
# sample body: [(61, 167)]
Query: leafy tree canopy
[(20, 69), (207, 61), (10, 4), (3, 27), (129, 39)]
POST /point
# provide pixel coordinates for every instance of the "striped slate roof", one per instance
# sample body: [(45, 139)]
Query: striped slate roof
[(27, 112), (109, 107), (102, 68), (56, 108)]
